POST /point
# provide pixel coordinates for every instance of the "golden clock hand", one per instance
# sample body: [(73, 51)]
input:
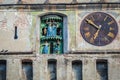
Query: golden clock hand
[(96, 34), (92, 23)]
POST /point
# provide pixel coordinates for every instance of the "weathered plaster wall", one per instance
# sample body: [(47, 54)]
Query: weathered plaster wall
[(64, 66), (28, 24), (7, 31)]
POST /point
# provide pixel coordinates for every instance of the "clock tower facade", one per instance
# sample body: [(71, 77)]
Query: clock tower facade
[(60, 40)]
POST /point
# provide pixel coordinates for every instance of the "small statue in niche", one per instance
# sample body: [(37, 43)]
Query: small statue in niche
[(57, 47), (45, 48), (49, 30), (55, 29), (44, 31), (59, 32), (55, 26), (52, 29)]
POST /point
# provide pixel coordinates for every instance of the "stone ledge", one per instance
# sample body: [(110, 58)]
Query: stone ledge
[(15, 53), (60, 6)]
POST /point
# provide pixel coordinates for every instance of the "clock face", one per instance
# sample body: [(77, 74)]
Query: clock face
[(99, 28)]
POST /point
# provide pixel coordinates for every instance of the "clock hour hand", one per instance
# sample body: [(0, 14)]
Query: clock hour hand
[(96, 34), (92, 23)]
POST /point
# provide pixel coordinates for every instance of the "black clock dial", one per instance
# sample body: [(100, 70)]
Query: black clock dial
[(99, 28)]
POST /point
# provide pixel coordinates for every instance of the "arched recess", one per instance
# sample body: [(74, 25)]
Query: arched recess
[(62, 29), (76, 70)]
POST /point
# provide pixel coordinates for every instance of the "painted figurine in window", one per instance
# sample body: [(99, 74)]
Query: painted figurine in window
[(57, 47), (49, 30), (44, 31), (45, 48), (54, 29)]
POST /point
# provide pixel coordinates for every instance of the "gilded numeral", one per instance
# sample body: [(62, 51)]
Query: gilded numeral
[(111, 22), (86, 28), (111, 28), (110, 34), (91, 40), (105, 18), (87, 34)]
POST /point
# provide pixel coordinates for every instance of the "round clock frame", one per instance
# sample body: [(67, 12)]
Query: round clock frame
[(99, 28)]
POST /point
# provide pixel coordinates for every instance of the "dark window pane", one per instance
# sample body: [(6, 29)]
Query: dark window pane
[(2, 70), (52, 70), (102, 70), (77, 70), (15, 35)]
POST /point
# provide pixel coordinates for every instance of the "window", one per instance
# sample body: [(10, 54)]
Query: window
[(77, 70), (15, 35), (2, 70), (27, 70), (102, 70), (51, 34), (52, 71)]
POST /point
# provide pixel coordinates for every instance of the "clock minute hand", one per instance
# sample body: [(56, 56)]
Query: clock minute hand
[(92, 23)]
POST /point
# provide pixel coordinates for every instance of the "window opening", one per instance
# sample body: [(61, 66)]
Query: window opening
[(2, 70), (27, 70), (77, 70), (15, 36), (52, 70), (102, 70), (51, 36)]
